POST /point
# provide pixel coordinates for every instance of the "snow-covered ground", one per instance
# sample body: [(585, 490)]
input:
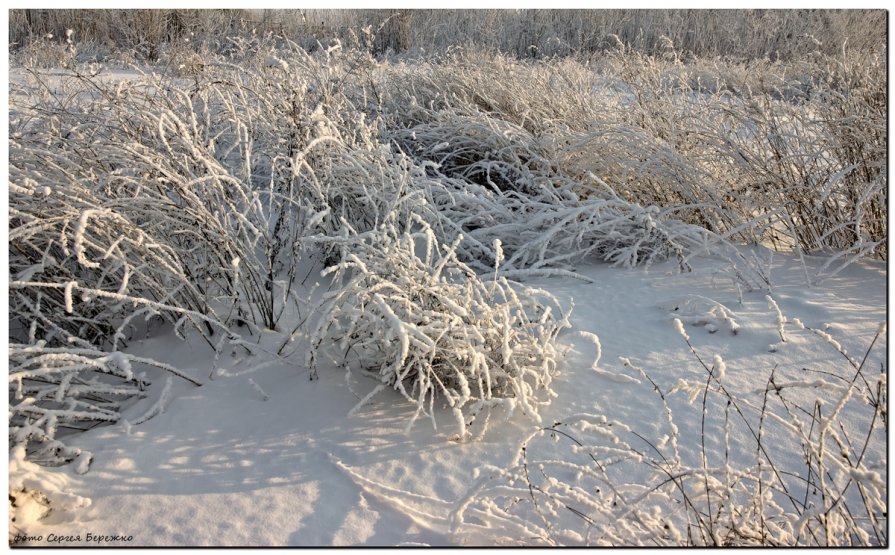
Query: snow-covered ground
[(268, 457)]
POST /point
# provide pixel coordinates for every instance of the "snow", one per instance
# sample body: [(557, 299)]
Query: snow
[(273, 61), (281, 460), (68, 296), (658, 379)]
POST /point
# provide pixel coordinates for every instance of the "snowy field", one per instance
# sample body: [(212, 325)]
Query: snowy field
[(318, 299), (226, 464)]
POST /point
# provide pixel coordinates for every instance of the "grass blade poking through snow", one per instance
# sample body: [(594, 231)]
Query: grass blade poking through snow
[(590, 480)]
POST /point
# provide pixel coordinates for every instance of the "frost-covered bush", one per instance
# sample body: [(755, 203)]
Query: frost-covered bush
[(789, 154), (491, 179), (89, 262), (135, 202), (780, 152), (46, 51), (78, 254), (415, 318), (62, 389), (55, 391), (552, 229), (156, 197), (480, 148), (192, 195)]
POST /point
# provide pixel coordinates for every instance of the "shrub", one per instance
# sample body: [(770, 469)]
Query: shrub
[(420, 321), (789, 154)]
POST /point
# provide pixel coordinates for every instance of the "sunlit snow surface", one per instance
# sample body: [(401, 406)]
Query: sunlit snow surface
[(222, 466)]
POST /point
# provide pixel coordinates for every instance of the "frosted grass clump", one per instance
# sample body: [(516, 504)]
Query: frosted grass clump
[(490, 177), (54, 391), (414, 317), (558, 232)]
